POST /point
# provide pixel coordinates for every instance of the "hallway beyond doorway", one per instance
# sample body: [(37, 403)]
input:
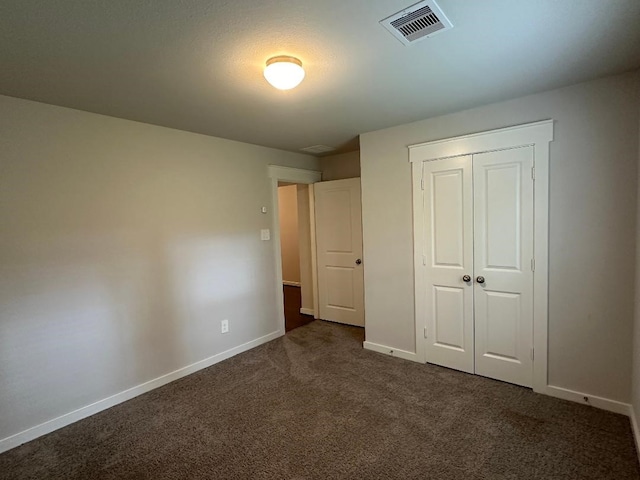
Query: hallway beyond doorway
[(292, 303)]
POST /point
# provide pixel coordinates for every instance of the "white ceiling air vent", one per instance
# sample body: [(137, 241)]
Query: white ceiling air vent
[(316, 149), (417, 22)]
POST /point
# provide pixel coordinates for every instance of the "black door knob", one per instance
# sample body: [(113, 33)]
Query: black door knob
[(480, 279), (358, 262), (466, 278)]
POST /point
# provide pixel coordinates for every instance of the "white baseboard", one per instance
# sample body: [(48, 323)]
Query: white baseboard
[(84, 412), (306, 311), (587, 399), (291, 284), (393, 352)]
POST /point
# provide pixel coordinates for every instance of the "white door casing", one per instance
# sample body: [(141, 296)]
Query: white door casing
[(536, 135), (503, 261), (448, 257), (338, 215), (277, 174)]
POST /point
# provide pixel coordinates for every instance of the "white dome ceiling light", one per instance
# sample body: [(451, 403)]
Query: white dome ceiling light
[(284, 72)]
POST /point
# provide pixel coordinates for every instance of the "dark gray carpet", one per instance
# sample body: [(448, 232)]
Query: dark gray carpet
[(314, 404)]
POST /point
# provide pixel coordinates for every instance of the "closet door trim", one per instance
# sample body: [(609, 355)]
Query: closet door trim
[(538, 135)]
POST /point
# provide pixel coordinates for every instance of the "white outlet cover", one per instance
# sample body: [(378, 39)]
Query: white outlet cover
[(265, 234), (224, 326)]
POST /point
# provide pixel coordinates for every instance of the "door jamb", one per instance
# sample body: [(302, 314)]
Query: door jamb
[(293, 175), (314, 252), (538, 135)]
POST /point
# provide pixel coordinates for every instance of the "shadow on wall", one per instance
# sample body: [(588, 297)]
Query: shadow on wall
[(86, 316)]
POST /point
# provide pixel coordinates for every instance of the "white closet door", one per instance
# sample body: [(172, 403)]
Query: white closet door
[(503, 256), (448, 249)]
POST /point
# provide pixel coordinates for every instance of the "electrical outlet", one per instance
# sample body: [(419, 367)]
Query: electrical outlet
[(224, 326), (265, 234)]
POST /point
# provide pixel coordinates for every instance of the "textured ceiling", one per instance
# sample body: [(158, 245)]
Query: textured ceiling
[(197, 65)]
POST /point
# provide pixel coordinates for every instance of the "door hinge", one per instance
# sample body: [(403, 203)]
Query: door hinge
[(533, 173), (533, 354), (424, 260), (533, 264), (425, 332), (422, 183)]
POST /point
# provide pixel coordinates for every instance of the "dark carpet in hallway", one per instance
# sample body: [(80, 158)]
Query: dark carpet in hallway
[(315, 405)]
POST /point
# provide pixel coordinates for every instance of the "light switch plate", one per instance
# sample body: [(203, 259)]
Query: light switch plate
[(265, 234)]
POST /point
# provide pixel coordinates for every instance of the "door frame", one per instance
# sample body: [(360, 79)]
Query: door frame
[(538, 135), (277, 174)]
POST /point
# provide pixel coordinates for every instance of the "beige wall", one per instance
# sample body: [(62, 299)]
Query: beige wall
[(122, 247), (593, 185), (304, 243), (635, 394), (288, 204), (337, 167)]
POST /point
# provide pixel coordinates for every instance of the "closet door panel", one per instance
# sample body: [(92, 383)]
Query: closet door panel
[(503, 255), (448, 253)]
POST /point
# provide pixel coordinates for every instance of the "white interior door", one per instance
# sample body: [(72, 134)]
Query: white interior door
[(338, 215), (448, 257), (503, 264)]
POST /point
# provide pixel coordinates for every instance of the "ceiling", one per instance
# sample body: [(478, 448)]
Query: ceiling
[(197, 65)]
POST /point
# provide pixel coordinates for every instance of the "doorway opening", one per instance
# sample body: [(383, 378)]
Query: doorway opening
[(324, 263), (287, 176), (296, 254)]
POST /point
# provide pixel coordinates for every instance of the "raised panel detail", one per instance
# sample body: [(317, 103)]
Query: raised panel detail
[(448, 255), (338, 232), (337, 221), (502, 335), (448, 314), (502, 216), (447, 205), (340, 287)]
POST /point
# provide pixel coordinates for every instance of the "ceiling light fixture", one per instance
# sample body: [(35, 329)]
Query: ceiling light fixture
[(284, 72)]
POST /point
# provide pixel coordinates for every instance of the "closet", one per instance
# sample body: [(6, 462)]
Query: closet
[(474, 215)]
